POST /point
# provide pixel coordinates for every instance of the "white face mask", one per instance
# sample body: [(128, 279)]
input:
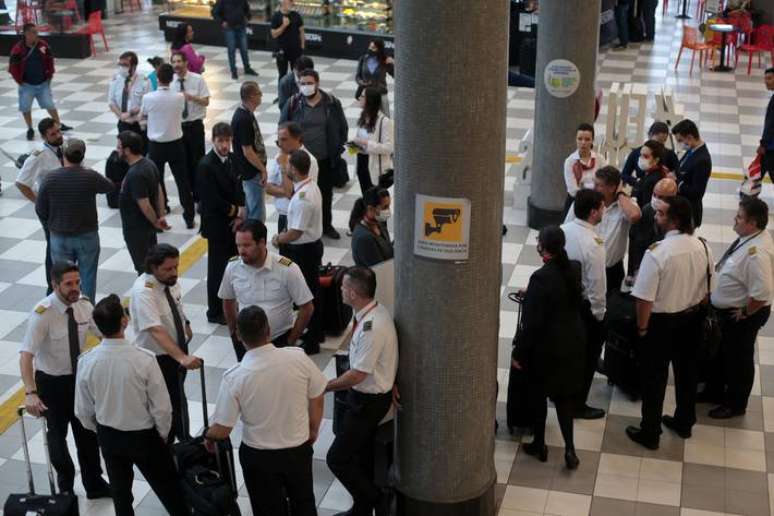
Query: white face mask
[(123, 71), (656, 203), (643, 164), (307, 90), (383, 216)]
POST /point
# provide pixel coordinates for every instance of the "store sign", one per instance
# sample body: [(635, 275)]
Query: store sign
[(442, 228), (561, 78)]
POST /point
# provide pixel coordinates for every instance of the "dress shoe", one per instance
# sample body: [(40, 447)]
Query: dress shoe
[(190, 224), (218, 319), (250, 71), (587, 412), (540, 452), (671, 423), (722, 412), (571, 460), (65, 127), (30, 134), (638, 436), (102, 490), (234, 76), (331, 233)]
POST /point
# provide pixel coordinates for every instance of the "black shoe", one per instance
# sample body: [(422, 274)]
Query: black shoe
[(587, 412), (571, 460), (218, 319), (709, 397), (670, 423), (234, 76), (30, 133), (102, 491), (190, 224), (167, 210), (540, 452), (725, 413), (331, 233), (65, 127), (275, 101), (250, 71), (638, 436)]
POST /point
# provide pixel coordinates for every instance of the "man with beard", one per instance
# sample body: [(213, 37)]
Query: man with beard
[(56, 334), (158, 320)]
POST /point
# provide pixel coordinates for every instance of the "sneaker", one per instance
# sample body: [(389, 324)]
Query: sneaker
[(30, 133), (250, 71), (65, 127)]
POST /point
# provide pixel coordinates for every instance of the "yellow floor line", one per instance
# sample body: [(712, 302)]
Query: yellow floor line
[(8, 409)]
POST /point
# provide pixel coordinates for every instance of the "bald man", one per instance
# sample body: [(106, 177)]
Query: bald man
[(645, 232)]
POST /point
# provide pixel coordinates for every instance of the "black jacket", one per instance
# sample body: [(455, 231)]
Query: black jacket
[(630, 172), (767, 140), (369, 249), (337, 127), (234, 12), (287, 88), (692, 178), (377, 80), (220, 195), (641, 235), (552, 348)]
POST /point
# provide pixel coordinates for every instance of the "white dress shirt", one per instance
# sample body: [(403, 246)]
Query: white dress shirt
[(275, 287), (613, 229), (164, 110), (37, 166), (120, 386), (587, 178), (270, 392), (673, 273), (148, 307), (374, 349), (139, 85), (305, 212), (584, 245), (275, 177), (746, 273), (47, 337), (196, 86)]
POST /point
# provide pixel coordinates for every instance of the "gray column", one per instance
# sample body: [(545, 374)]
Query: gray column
[(450, 101), (567, 30)]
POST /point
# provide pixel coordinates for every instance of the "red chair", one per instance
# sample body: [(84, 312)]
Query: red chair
[(94, 26), (691, 41), (760, 40)]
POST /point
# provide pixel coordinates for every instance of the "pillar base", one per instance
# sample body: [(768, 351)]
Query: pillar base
[(538, 218), (484, 505)]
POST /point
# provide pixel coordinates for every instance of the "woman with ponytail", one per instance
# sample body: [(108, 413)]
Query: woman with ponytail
[(551, 349), (368, 222)]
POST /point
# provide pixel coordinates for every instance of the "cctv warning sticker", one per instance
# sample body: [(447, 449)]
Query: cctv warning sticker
[(442, 228)]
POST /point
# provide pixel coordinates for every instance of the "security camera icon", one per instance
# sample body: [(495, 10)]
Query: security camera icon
[(441, 216)]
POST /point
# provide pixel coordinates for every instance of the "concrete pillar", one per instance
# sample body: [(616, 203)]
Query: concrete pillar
[(568, 31), (450, 96)]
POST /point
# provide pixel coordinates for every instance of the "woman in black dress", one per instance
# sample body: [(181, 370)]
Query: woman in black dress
[(551, 348), (368, 222)]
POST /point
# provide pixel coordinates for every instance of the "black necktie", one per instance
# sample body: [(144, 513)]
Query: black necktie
[(72, 337), (185, 102), (60, 155), (181, 340), (125, 96)]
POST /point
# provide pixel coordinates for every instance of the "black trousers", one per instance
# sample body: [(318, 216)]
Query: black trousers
[(732, 372), (363, 175), (174, 154), (309, 258), (137, 128), (271, 475), (565, 413), (325, 182), (220, 247), (138, 242), (58, 394), (671, 338), (350, 457), (170, 369), (649, 16), (282, 223), (122, 450), (615, 275), (595, 337), (283, 63), (49, 288), (193, 141)]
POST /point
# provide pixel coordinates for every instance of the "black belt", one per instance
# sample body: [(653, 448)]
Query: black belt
[(192, 122), (367, 396), (303, 246), (688, 311)]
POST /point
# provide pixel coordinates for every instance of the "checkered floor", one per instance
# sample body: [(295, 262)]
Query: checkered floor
[(724, 469)]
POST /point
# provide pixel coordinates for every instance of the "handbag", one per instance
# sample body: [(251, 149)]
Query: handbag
[(386, 177), (711, 332)]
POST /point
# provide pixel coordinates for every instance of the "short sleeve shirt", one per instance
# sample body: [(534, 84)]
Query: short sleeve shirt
[(290, 40), (305, 212), (141, 182), (374, 349), (47, 337), (196, 86), (746, 273), (275, 287), (37, 165), (247, 133), (149, 307), (139, 85)]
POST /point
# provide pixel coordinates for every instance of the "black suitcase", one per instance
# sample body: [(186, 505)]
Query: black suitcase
[(208, 480), (528, 56), (336, 315), (517, 404), (32, 503), (115, 170), (620, 363)]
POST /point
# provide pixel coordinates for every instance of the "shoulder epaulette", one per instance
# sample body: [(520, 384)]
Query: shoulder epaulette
[(36, 152), (599, 241), (149, 284), (287, 262), (752, 251), (40, 309), (652, 246), (368, 326), (301, 195), (233, 258)]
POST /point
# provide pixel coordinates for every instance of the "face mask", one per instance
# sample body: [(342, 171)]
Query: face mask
[(123, 71), (383, 216), (643, 164), (307, 90), (371, 52)]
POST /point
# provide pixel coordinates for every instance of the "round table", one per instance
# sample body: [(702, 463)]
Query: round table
[(723, 29), (684, 15)]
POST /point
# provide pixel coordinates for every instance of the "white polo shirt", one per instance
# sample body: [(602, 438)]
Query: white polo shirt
[(39, 163), (275, 287), (164, 111), (746, 273), (195, 85), (148, 307), (584, 245), (673, 273), (270, 392), (47, 337), (374, 349), (275, 177), (305, 212)]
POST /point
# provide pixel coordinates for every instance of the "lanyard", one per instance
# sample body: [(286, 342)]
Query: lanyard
[(733, 249)]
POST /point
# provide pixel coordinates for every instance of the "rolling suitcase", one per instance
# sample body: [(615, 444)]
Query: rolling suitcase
[(336, 315), (115, 170), (620, 361), (208, 480), (32, 503), (518, 413)]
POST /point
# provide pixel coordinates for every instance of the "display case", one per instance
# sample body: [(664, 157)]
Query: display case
[(62, 23)]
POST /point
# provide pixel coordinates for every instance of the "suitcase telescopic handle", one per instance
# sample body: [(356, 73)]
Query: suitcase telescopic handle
[(181, 383), (25, 447)]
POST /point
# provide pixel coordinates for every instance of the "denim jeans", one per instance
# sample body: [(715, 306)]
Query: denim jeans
[(82, 249), (237, 36), (254, 201)]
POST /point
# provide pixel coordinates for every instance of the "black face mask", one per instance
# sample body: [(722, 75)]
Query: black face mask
[(371, 53)]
